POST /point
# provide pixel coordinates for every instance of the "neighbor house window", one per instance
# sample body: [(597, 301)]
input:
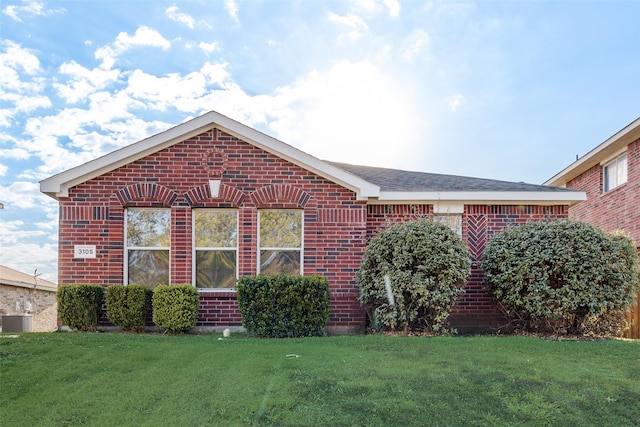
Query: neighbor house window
[(148, 237), (615, 173), (215, 246), (454, 222), (280, 242)]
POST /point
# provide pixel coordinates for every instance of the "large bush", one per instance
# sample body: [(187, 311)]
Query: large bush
[(80, 306), (427, 265), (563, 277), (129, 306), (175, 307), (281, 306)]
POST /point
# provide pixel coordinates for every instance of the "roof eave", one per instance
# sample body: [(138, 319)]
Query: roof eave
[(619, 140), (58, 186), (482, 197)]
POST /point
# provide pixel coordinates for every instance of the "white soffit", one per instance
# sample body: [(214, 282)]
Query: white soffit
[(455, 198)]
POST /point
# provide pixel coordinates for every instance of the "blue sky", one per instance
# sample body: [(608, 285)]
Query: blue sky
[(510, 90)]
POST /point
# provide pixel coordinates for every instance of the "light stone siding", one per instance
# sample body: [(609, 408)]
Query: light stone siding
[(43, 306)]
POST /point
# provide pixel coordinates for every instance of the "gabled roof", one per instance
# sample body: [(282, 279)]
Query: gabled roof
[(58, 185), (374, 185), (11, 277), (602, 152)]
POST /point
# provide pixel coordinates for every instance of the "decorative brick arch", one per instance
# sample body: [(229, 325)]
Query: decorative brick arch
[(146, 191), (280, 193), (229, 194)]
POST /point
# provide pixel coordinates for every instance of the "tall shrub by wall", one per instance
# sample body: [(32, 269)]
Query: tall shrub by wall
[(563, 277), (80, 306)]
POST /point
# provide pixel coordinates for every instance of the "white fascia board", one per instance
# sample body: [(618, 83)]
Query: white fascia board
[(481, 197), (58, 185), (612, 145)]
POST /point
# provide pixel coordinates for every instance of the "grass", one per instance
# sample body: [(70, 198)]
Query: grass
[(150, 380)]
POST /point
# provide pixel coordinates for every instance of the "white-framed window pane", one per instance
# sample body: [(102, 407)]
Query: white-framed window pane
[(215, 269), (281, 229), (216, 228), (148, 227), (615, 173), (454, 222), (280, 262), (621, 166), (148, 267), (280, 242), (148, 238), (215, 248)]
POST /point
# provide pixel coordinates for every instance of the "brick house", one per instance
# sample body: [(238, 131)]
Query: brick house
[(610, 175), (211, 200)]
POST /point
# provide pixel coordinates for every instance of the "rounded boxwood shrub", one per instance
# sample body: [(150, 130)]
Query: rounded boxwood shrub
[(427, 265), (562, 277), (80, 306), (175, 307), (129, 306), (280, 306)]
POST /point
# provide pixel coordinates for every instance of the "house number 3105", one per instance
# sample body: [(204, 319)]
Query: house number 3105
[(84, 251)]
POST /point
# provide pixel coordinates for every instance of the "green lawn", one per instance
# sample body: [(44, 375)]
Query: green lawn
[(117, 379)]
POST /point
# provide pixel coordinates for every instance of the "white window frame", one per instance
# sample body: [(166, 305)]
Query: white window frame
[(300, 249), (127, 248), (620, 175), (194, 248)]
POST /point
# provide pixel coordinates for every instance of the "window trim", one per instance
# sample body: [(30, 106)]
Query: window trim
[(194, 248), (259, 248), (606, 186), (127, 248)]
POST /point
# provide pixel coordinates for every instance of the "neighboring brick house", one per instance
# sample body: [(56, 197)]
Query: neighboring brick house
[(211, 200), (22, 294), (610, 175)]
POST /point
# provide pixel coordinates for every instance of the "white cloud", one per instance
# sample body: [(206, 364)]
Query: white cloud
[(393, 6), (456, 101), (3, 169), (143, 37), (232, 9), (415, 44), (357, 28), (31, 8), (22, 194), (83, 82), (173, 14), (352, 113), (208, 47)]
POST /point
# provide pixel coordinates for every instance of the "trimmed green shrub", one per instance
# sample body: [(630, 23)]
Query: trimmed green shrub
[(80, 306), (427, 265), (129, 306), (175, 307), (281, 306), (563, 277)]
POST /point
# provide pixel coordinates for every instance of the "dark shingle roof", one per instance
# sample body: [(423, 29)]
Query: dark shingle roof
[(400, 180)]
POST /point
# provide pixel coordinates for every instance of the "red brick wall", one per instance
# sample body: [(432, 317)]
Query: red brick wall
[(616, 209), (475, 309), (336, 226), (177, 178)]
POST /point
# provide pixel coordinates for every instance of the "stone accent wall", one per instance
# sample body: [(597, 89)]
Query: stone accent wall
[(43, 305)]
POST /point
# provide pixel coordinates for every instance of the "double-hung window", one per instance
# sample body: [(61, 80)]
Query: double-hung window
[(148, 238), (280, 242), (215, 238), (615, 173)]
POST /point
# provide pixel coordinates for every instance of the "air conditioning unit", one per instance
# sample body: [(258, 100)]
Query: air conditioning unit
[(17, 323)]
